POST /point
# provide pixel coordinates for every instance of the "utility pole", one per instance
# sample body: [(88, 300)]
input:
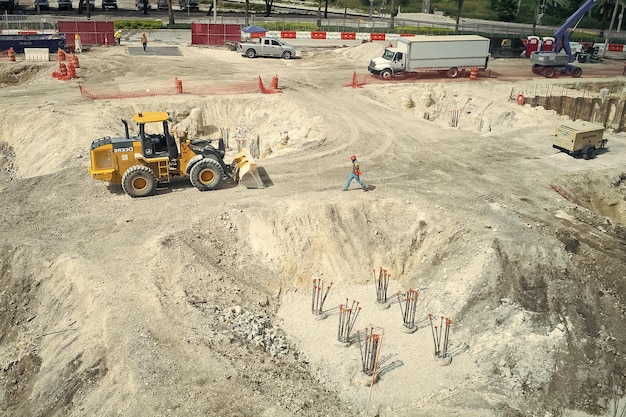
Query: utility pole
[(608, 32)]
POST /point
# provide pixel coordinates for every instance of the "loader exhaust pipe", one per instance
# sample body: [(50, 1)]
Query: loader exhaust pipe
[(126, 128)]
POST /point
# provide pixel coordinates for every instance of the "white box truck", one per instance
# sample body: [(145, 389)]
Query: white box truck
[(451, 53)]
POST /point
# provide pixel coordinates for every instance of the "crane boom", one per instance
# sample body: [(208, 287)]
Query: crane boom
[(561, 38)]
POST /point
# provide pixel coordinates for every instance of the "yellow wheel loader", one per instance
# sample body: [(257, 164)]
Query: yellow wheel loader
[(139, 163)]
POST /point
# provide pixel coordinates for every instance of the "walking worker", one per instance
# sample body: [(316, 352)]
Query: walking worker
[(144, 40), (355, 174), (118, 37)]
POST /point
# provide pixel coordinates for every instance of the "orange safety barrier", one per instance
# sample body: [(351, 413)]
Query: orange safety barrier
[(288, 34), (348, 35), (318, 35), (407, 34), (616, 47), (377, 36), (74, 60), (11, 54), (179, 86)]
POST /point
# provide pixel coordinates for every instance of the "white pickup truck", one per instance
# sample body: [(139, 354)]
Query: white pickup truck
[(267, 47)]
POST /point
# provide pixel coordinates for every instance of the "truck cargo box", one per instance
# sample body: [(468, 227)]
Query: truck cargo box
[(443, 52)]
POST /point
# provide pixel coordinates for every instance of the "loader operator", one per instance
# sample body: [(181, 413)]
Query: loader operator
[(355, 174)]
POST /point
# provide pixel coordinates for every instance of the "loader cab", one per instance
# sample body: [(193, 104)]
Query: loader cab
[(156, 141)]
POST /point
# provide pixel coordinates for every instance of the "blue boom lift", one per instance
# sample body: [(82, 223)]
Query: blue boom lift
[(547, 63)]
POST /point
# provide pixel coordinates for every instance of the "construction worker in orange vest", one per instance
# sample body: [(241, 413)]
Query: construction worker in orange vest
[(355, 174)]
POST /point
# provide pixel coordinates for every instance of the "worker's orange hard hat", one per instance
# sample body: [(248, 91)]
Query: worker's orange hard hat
[(353, 158)]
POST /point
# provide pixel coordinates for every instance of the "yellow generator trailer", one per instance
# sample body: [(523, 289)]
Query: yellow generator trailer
[(139, 163), (579, 138)]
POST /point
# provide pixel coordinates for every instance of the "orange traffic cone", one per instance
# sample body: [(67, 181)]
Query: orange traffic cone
[(63, 70), (106, 41), (179, 86), (473, 74), (71, 71), (60, 55), (74, 60), (274, 83), (11, 54)]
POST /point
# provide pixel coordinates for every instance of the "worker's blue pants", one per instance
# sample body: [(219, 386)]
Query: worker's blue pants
[(351, 177)]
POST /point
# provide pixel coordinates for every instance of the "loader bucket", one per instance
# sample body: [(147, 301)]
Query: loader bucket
[(247, 173)]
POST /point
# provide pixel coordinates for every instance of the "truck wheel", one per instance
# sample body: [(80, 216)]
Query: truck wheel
[(250, 53), (453, 72), (206, 174), (139, 181), (577, 72), (286, 55), (386, 74), (548, 72)]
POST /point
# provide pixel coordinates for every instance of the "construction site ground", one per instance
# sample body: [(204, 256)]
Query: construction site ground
[(191, 303)]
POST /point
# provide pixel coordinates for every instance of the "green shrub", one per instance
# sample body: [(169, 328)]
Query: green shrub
[(138, 24)]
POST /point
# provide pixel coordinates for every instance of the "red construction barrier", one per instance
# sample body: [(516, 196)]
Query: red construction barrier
[(90, 32), (318, 35), (377, 36), (407, 34), (616, 47), (288, 34), (348, 35), (214, 34)]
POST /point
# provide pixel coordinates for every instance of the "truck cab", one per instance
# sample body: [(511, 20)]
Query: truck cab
[(392, 61)]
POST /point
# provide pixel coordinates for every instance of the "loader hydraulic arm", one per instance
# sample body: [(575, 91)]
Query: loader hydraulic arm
[(561, 38)]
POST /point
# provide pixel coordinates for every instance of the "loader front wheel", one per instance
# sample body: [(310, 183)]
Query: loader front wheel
[(139, 181), (206, 174)]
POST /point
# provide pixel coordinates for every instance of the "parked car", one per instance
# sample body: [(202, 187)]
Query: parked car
[(162, 5), (92, 4), (109, 4), (139, 4), (192, 5), (43, 4), (65, 5)]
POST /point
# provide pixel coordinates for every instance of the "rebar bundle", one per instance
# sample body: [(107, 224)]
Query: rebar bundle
[(370, 350), (347, 318), (410, 307), (441, 336), (455, 115), (382, 283), (318, 296)]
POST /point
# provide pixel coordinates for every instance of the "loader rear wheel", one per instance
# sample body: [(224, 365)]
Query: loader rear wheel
[(206, 174), (139, 181)]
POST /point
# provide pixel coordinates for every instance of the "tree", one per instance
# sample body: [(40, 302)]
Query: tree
[(506, 10), (170, 12), (268, 7), (247, 21), (459, 6)]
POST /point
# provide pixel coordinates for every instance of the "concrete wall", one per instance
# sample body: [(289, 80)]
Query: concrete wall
[(609, 112)]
